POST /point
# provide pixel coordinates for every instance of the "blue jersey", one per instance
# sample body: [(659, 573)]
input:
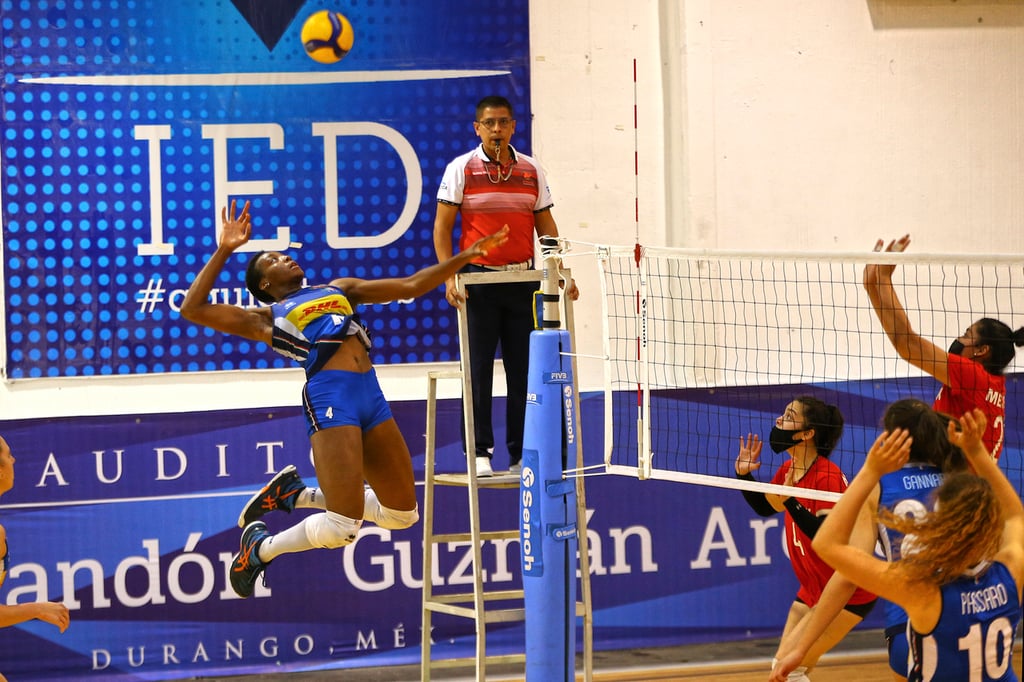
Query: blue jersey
[(311, 323), (973, 640), (906, 492)]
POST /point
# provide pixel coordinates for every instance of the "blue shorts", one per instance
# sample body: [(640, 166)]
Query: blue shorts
[(334, 397)]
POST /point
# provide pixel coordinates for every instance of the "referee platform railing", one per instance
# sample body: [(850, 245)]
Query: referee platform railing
[(481, 605)]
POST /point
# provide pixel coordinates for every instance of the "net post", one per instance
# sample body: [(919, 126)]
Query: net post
[(547, 510), (547, 500)]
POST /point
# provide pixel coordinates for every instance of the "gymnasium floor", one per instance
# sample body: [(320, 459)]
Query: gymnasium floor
[(860, 658)]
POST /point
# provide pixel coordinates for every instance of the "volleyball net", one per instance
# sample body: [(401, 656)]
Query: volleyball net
[(703, 347)]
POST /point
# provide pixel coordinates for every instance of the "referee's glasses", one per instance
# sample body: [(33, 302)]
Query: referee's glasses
[(490, 123)]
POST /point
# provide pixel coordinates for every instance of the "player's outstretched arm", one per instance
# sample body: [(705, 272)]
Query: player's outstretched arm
[(889, 310), (794, 652), (833, 542), (252, 324), (54, 613), (968, 437), (385, 290)]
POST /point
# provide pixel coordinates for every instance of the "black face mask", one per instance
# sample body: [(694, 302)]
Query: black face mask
[(956, 348), (781, 440)]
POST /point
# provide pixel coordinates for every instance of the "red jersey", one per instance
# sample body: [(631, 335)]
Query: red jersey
[(488, 200), (812, 572), (971, 386)]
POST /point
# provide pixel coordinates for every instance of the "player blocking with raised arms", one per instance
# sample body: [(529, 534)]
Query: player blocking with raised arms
[(960, 582), (970, 371)]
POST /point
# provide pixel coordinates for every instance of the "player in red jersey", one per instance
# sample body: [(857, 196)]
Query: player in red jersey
[(971, 371), (827, 606)]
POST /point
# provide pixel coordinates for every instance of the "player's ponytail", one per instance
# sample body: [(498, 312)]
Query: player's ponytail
[(1018, 337), (1001, 340)]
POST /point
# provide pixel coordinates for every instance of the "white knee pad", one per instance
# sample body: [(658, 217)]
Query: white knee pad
[(330, 530), (392, 519)]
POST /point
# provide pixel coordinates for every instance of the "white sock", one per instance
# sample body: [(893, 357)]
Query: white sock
[(310, 498), (292, 539)]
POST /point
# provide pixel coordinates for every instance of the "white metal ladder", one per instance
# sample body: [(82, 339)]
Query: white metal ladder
[(474, 604)]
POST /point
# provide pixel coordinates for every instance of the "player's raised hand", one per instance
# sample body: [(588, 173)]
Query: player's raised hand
[(235, 230), (487, 244), (750, 454), (874, 272), (968, 432), (889, 452)]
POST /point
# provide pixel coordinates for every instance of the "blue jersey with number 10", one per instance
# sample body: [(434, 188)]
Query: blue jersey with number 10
[(973, 641)]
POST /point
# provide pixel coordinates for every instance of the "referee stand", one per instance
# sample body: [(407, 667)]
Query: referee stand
[(481, 605)]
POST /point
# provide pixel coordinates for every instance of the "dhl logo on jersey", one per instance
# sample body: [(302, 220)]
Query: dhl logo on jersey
[(329, 305)]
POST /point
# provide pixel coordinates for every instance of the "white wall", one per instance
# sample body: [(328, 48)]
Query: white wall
[(794, 124), (825, 124)]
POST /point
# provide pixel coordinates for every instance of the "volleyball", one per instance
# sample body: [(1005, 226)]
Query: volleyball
[(327, 36)]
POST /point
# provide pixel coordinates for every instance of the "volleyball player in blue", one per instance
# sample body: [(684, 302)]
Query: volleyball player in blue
[(960, 577), (909, 492), (354, 438)]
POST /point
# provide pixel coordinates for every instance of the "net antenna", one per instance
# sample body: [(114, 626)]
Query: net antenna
[(706, 346), (642, 402)]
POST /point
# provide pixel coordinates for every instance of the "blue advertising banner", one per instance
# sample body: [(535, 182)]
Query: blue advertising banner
[(131, 522), (127, 126)]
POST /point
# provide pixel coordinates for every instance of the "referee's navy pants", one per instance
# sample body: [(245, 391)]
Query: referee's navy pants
[(499, 315)]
